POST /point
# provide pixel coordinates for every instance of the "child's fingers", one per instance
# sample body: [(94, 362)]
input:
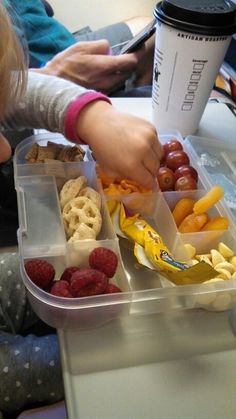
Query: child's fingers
[(144, 177), (158, 149), (141, 175), (5, 149), (151, 162)]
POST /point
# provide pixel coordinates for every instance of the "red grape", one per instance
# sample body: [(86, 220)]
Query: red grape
[(176, 159), (166, 179), (185, 183), (186, 170), (172, 145)]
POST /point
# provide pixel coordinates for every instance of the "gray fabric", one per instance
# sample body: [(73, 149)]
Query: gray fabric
[(117, 34), (15, 312), (30, 370), (45, 103)]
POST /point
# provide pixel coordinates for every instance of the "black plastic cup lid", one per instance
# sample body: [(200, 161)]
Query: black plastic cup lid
[(207, 17)]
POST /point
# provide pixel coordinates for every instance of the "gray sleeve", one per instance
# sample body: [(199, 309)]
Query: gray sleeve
[(44, 104)]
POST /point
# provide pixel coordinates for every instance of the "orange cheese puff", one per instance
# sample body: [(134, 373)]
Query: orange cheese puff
[(123, 191), (216, 223), (124, 187), (183, 208), (193, 223), (208, 200), (133, 186), (105, 179), (142, 189), (112, 189)]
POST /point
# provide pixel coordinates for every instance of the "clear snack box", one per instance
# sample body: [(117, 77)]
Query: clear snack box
[(41, 235)]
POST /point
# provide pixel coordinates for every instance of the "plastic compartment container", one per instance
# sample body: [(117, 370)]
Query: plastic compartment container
[(41, 234), (216, 161)]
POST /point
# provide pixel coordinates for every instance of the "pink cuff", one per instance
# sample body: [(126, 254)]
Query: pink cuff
[(75, 108)]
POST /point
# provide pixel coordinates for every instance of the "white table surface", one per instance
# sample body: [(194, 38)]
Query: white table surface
[(217, 121), (191, 369)]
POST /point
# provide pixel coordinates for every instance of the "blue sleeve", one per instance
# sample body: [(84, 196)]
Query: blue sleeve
[(45, 35)]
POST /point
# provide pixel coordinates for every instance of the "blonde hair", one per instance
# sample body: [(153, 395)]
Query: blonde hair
[(12, 65)]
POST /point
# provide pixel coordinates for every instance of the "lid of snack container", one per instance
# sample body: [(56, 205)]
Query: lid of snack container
[(207, 17)]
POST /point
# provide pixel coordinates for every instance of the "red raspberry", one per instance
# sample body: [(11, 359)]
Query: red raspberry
[(67, 274), (104, 260), (61, 289), (86, 282), (40, 272), (111, 288)]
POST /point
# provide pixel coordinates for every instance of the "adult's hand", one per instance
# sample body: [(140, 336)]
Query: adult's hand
[(90, 65)]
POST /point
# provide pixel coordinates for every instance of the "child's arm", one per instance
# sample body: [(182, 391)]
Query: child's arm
[(45, 103), (124, 145)]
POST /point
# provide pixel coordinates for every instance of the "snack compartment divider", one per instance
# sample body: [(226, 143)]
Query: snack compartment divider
[(41, 228)]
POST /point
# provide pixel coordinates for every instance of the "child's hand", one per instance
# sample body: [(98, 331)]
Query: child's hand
[(124, 145), (5, 149)]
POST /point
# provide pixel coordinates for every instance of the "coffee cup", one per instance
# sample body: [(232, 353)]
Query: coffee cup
[(192, 37)]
